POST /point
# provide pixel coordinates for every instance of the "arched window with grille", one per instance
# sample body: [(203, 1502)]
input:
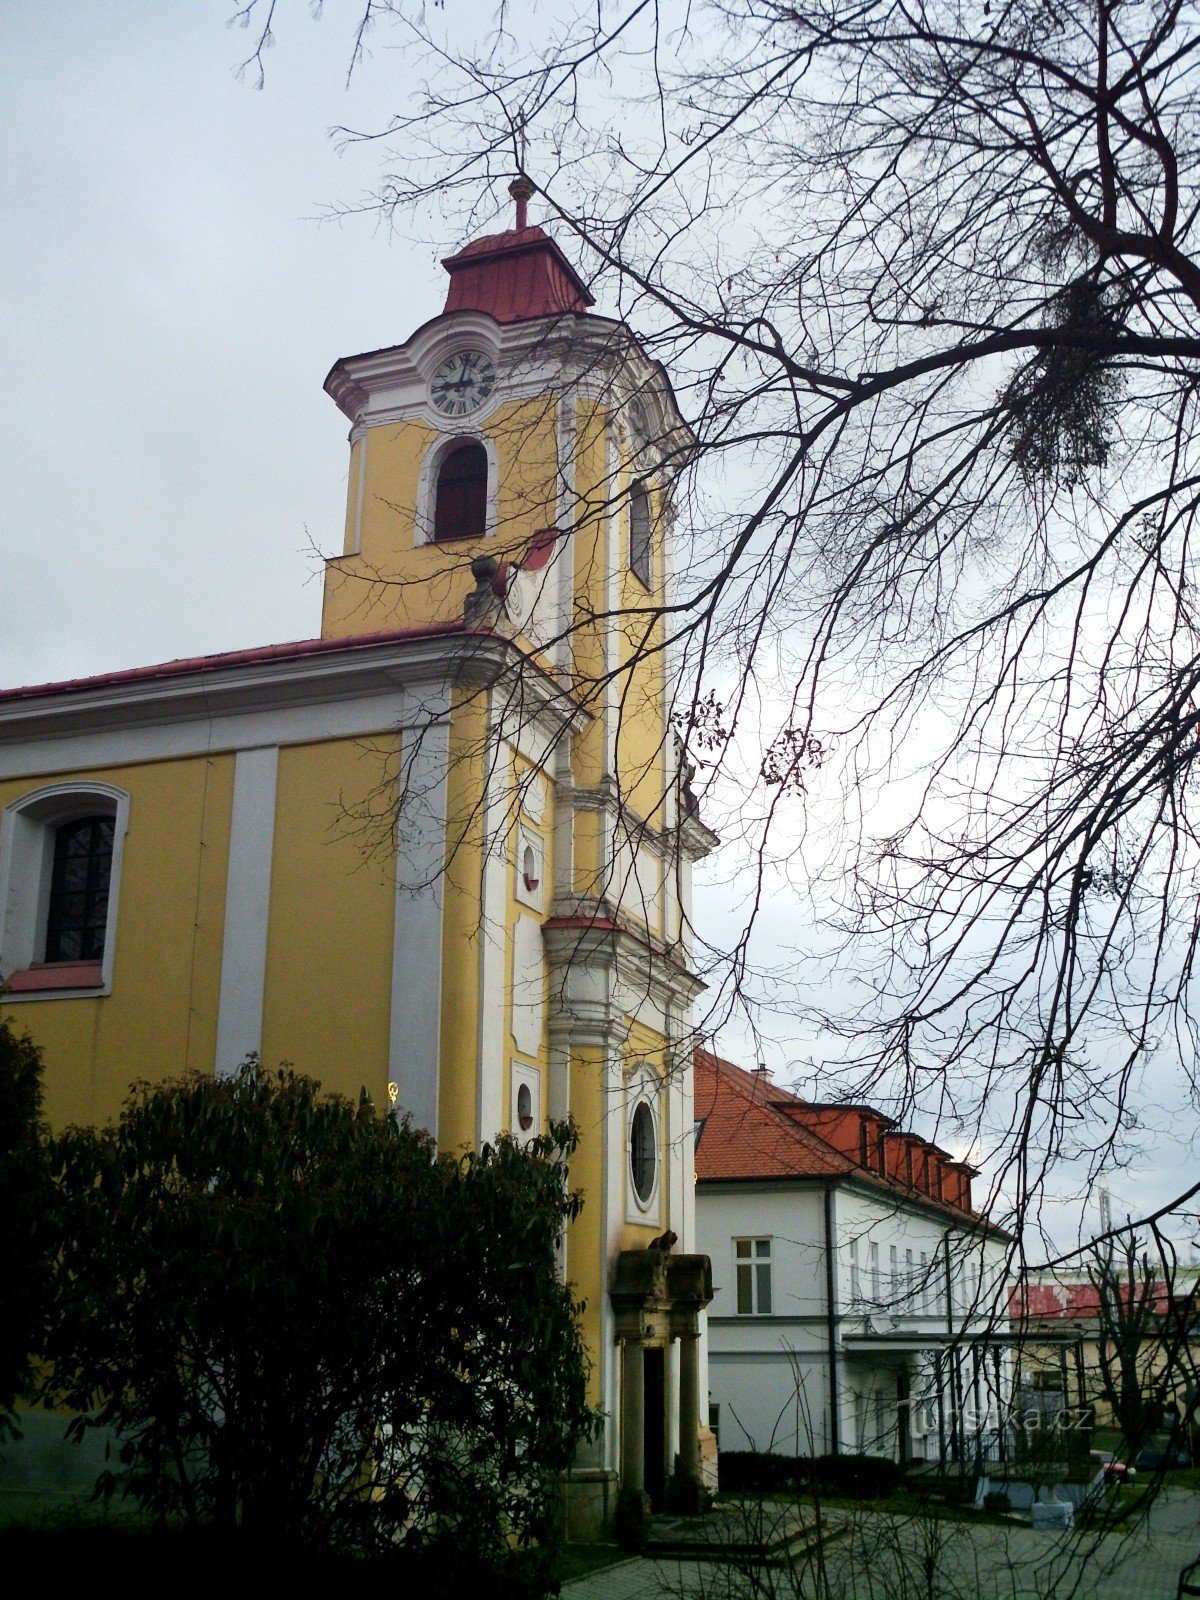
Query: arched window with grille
[(60, 872), (460, 499), (77, 912)]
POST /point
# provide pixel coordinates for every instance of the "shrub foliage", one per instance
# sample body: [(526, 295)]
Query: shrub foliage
[(300, 1319), (854, 1477), (24, 1221)]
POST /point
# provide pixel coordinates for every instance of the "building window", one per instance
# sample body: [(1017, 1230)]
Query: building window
[(60, 867), (855, 1285), (752, 1259), (640, 536), (531, 870), (643, 1154), (460, 499), (873, 1271), (526, 1099), (77, 913), (926, 1288)]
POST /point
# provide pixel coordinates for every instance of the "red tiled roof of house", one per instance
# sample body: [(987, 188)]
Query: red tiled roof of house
[(1047, 1299), (753, 1128), (744, 1136)]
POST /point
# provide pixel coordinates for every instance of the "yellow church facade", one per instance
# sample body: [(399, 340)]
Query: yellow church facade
[(442, 852)]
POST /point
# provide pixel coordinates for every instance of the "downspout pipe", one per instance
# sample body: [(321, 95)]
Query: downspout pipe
[(835, 1447)]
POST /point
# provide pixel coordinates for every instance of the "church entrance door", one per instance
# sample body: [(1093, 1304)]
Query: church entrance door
[(655, 1434)]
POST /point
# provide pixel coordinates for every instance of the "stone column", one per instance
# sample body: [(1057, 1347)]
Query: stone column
[(689, 1407), (633, 1416)]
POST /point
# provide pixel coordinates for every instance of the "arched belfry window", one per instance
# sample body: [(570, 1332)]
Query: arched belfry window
[(460, 501)]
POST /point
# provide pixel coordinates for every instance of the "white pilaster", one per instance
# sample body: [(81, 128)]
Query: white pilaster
[(495, 966), (414, 1051)]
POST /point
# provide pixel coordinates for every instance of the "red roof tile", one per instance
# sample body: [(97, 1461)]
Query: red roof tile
[(744, 1136), (752, 1128), (515, 277), (1047, 1299), (186, 665)]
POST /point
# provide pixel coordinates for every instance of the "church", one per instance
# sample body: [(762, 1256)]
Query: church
[(444, 850)]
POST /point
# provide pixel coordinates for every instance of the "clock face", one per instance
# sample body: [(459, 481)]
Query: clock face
[(462, 383)]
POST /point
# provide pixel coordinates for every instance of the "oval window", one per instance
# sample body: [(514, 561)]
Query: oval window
[(643, 1156), (529, 869), (524, 1108)]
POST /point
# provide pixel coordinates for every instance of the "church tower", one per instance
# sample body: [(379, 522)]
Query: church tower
[(510, 473), (442, 851)]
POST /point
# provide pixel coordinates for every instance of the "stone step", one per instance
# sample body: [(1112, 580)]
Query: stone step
[(767, 1536)]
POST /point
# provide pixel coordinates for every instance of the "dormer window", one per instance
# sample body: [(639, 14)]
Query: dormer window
[(460, 509), (639, 535)]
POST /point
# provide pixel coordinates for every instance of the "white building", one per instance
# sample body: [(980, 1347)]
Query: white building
[(858, 1298)]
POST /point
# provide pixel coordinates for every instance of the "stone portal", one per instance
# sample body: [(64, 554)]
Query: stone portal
[(658, 1298)]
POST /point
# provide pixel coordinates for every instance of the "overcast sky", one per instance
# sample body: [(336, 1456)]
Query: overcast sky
[(171, 307)]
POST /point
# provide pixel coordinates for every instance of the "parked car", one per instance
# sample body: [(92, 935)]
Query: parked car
[(1160, 1459), (1115, 1471)]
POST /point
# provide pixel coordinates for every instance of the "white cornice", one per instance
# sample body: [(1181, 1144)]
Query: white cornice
[(589, 356), (283, 699), (696, 840), (633, 967)]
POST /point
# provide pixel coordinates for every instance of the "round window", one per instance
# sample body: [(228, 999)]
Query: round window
[(643, 1157), (524, 1108)]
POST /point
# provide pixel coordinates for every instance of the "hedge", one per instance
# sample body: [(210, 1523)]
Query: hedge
[(855, 1477)]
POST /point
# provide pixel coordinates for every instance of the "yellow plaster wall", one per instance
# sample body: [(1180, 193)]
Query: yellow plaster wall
[(642, 727), (161, 1017), (590, 543), (327, 995), (395, 451), (525, 434), (353, 489), (648, 1045), (392, 582), (588, 869)]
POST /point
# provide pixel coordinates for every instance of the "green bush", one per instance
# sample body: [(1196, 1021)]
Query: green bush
[(854, 1477), (301, 1321), (24, 1217), (996, 1500), (145, 1556), (759, 1472)]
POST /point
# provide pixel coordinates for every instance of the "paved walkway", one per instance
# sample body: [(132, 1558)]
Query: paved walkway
[(887, 1558)]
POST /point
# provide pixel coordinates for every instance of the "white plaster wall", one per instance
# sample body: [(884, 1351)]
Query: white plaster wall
[(768, 1374), (792, 1218), (976, 1263)]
